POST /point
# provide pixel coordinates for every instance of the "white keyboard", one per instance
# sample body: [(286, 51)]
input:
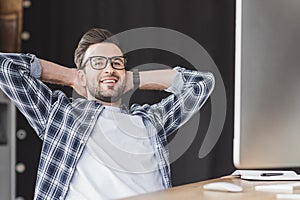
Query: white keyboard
[(282, 187), (288, 196)]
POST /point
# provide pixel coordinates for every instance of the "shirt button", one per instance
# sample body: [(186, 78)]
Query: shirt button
[(92, 117), (60, 197)]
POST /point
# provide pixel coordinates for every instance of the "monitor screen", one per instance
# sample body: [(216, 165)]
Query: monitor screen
[(267, 84)]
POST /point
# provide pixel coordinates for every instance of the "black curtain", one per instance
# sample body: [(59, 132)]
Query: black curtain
[(55, 27)]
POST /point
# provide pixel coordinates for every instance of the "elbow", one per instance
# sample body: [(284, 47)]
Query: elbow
[(209, 82)]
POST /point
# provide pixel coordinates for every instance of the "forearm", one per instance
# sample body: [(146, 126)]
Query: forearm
[(157, 79), (57, 74)]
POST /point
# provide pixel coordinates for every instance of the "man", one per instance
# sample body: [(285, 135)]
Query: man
[(92, 148)]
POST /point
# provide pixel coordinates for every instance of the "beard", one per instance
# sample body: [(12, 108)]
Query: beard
[(110, 95), (102, 95)]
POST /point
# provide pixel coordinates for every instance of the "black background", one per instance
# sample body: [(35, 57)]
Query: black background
[(55, 27)]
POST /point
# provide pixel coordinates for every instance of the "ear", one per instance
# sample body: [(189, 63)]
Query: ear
[(81, 78)]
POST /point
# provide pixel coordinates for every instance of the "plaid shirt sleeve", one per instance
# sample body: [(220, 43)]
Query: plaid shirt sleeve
[(19, 75), (190, 91)]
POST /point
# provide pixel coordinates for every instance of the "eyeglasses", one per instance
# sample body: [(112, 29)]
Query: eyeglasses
[(100, 62)]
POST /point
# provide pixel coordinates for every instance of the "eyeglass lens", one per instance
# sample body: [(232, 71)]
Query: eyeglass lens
[(101, 62)]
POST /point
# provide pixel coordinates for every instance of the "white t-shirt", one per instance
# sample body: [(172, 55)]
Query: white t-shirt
[(118, 160)]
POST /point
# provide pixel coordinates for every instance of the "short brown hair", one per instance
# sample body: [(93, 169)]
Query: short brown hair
[(92, 36)]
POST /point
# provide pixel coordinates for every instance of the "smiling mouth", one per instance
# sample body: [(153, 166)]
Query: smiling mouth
[(111, 81)]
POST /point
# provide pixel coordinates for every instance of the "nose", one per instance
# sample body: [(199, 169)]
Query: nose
[(108, 68)]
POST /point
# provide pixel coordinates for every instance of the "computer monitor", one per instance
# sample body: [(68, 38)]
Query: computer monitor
[(267, 84)]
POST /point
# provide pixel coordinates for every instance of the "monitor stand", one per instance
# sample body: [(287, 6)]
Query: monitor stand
[(267, 175)]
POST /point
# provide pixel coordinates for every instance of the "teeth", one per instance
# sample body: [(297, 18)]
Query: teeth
[(109, 81)]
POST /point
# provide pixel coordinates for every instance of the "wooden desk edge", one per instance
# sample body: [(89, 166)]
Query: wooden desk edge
[(196, 191)]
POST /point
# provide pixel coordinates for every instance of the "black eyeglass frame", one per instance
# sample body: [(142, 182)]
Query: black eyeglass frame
[(107, 59)]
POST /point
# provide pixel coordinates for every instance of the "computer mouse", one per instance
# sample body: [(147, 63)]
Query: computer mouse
[(223, 186)]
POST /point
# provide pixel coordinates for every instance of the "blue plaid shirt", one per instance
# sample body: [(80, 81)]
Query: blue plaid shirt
[(64, 124)]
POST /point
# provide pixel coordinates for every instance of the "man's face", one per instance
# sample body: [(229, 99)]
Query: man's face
[(106, 85)]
